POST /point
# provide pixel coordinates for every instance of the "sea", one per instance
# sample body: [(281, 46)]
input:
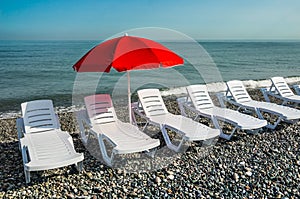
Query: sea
[(31, 70)]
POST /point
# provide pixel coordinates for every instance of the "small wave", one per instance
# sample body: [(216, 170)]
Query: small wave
[(58, 109), (10, 115), (221, 86)]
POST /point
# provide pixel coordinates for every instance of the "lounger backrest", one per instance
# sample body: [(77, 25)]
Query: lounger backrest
[(100, 109), (199, 96), (238, 91), (152, 102), (282, 87), (39, 116)]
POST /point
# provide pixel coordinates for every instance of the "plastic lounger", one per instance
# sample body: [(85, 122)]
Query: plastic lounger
[(42, 143), (280, 90), (156, 113), (199, 102), (104, 124), (237, 95)]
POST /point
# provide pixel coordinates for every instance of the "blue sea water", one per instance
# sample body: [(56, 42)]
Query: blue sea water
[(43, 69)]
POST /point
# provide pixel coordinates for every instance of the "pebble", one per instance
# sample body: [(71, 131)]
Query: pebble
[(242, 163), (171, 177), (248, 169), (248, 173), (236, 176), (158, 180)]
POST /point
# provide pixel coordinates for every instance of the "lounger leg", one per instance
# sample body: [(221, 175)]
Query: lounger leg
[(270, 126), (297, 89), (226, 136), (255, 131), (79, 166), (291, 121), (27, 176), (285, 102), (151, 152), (265, 94), (108, 160), (244, 110), (275, 124), (89, 137), (133, 118), (181, 108), (220, 97), (223, 135), (232, 132), (210, 142), (83, 138), (180, 144), (84, 141), (81, 121), (145, 126), (168, 141), (20, 129), (82, 132), (25, 160)]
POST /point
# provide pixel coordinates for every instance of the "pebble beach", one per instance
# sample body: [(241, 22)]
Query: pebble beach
[(264, 165)]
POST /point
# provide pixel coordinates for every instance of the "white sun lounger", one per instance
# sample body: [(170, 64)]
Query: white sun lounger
[(42, 143), (104, 124), (237, 95), (280, 90), (155, 112), (199, 102)]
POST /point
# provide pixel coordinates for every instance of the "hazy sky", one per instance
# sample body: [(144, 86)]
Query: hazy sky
[(210, 19)]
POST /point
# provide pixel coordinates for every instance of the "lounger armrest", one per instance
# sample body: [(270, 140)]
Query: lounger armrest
[(239, 104), (199, 113), (228, 98), (57, 119), (24, 148), (297, 89), (109, 140), (181, 100), (139, 111), (67, 136), (20, 128), (102, 136), (184, 103), (222, 99), (271, 93), (82, 117)]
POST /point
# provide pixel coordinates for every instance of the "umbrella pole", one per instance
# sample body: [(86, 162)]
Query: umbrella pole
[(129, 97)]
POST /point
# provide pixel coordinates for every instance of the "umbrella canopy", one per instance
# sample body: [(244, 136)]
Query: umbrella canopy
[(127, 53)]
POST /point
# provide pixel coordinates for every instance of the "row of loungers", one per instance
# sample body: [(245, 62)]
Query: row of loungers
[(45, 146)]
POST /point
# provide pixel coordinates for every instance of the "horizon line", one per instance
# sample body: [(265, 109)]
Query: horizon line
[(212, 40)]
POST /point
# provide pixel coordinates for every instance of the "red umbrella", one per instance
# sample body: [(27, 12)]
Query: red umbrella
[(127, 53)]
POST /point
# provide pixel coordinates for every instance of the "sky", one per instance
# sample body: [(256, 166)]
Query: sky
[(199, 19)]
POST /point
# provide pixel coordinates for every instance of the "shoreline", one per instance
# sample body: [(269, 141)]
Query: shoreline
[(179, 91), (248, 166)]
